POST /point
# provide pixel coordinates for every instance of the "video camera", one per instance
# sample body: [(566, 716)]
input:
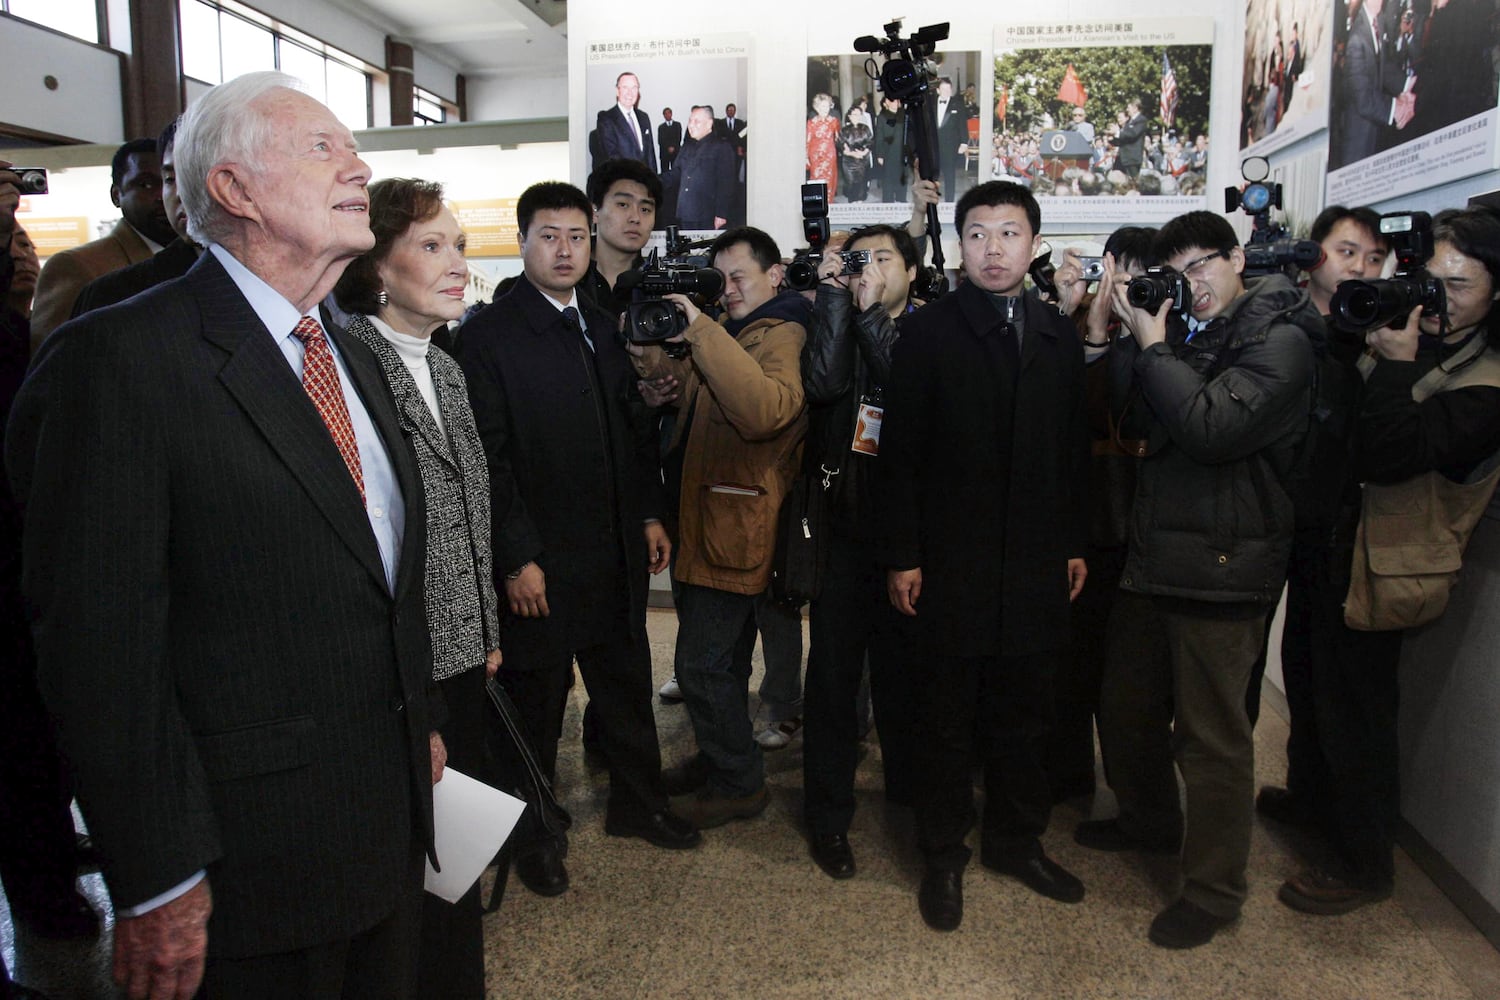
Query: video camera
[(649, 319), (1363, 305), (1269, 250), (1158, 284), (907, 75)]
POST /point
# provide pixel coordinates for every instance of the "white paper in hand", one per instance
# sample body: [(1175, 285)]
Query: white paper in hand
[(471, 821)]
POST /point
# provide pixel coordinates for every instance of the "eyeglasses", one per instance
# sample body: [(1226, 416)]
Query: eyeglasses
[(1195, 270)]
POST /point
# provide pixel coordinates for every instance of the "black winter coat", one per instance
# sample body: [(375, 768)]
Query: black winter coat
[(1212, 519), (566, 489), (982, 473)]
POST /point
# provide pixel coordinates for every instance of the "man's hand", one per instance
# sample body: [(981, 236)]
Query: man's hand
[(904, 586), (689, 311), (1078, 572), (658, 392), (658, 548), (1103, 304), (439, 755), (1070, 283), (1397, 345), (492, 661), (1146, 328), (159, 954), (10, 200), (719, 222), (869, 289), (527, 593), (1406, 109)]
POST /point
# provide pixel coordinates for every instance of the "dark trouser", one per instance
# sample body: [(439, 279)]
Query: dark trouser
[(1355, 698), (1005, 703), (1080, 674), (37, 849), (715, 639), (375, 964), (1306, 773), (844, 632), (1211, 662), (617, 675), (451, 961), (1135, 721)]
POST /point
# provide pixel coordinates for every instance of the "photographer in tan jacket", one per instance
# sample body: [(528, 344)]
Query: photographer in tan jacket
[(732, 459)]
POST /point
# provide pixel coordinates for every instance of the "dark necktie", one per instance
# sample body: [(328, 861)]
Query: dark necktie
[(575, 323), (320, 377)]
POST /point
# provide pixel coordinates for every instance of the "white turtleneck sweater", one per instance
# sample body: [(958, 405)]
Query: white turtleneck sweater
[(413, 352)]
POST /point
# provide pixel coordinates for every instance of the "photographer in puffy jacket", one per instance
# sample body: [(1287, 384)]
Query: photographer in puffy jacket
[(1228, 392), (845, 365), (1427, 440)]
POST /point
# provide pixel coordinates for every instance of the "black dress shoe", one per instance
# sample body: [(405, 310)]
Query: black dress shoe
[(941, 898), (833, 854), (664, 829), (1286, 807), (543, 873), (69, 918), (1185, 925), (1040, 874)]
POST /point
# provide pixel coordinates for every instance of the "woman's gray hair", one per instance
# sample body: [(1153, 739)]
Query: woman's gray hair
[(220, 127)]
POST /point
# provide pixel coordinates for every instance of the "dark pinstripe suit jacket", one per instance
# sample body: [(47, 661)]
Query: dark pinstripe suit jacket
[(236, 686), (460, 592)]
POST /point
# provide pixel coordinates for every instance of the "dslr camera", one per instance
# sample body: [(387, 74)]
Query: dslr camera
[(649, 318), (1362, 305), (802, 272), (1158, 284)]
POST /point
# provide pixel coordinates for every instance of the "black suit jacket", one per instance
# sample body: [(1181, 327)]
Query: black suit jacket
[(566, 490), (669, 139), (1131, 143), (982, 473), (236, 686), (172, 262), (1370, 81), (616, 138), (704, 176)]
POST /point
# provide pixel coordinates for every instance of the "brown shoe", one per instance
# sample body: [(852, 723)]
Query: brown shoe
[(1329, 895), (708, 809)]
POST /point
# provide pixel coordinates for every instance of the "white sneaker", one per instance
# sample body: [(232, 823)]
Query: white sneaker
[(779, 735), (670, 691)]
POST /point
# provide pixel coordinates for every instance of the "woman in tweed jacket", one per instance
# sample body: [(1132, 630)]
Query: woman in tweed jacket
[(409, 285)]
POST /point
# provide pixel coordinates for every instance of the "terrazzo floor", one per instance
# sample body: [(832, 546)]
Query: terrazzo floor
[(748, 914)]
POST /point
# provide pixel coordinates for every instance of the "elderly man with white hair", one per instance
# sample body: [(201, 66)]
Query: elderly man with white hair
[(224, 555)]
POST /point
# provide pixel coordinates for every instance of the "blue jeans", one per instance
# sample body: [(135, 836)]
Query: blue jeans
[(781, 648), (715, 636)]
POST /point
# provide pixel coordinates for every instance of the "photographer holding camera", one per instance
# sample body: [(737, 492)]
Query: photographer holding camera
[(731, 461), (1225, 367), (1427, 450), (846, 364)]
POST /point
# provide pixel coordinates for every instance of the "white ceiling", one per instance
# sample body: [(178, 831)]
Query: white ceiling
[(480, 38)]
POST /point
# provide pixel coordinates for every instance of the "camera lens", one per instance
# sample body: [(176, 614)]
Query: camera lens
[(655, 321)]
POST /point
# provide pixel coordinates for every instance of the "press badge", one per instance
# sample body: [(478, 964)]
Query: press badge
[(867, 429)]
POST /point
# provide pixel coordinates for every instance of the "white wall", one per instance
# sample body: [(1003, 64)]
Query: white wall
[(508, 98), (87, 102)]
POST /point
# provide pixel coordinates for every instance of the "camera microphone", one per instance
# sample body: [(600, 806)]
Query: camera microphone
[(868, 43)]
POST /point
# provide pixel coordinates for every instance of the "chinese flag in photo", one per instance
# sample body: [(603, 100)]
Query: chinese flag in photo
[(1168, 93), (1072, 90)]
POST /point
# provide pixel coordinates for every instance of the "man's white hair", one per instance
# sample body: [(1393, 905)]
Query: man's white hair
[(221, 127)]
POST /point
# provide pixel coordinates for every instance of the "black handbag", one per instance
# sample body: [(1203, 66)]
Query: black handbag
[(522, 776), (802, 538)]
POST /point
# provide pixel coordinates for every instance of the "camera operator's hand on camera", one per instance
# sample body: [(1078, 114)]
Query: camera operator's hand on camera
[(1070, 284), (1103, 305), (831, 270), (1146, 328), (921, 194), (869, 288), (1397, 345), (689, 311), (10, 200)]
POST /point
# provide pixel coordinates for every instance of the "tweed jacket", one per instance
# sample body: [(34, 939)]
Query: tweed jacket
[(461, 612), (65, 274)]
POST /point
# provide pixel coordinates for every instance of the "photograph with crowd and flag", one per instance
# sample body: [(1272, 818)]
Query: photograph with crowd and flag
[(1090, 113)]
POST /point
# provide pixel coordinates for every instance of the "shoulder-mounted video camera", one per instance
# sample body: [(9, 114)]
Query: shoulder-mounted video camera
[(649, 318), (1270, 250), (1363, 305)]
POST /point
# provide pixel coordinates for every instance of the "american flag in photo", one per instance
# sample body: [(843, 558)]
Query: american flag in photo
[(1168, 92)]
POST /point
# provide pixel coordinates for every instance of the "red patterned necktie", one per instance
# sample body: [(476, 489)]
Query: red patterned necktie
[(320, 377)]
